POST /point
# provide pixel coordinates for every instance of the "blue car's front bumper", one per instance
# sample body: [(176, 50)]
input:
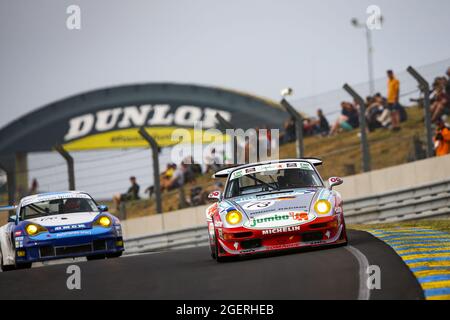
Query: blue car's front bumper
[(69, 244)]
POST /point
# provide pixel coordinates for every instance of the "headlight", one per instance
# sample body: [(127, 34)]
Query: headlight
[(233, 217), (34, 229), (104, 221), (322, 207)]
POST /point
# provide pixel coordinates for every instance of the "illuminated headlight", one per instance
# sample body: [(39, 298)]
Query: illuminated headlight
[(104, 221), (233, 217), (322, 207), (34, 229)]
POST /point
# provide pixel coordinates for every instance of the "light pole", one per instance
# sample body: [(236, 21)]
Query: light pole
[(355, 22)]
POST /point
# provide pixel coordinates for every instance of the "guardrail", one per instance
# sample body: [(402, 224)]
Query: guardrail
[(185, 238), (431, 200)]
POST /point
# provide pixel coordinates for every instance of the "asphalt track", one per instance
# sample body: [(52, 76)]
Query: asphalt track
[(334, 273)]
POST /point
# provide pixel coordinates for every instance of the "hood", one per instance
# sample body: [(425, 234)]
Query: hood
[(65, 219), (279, 209)]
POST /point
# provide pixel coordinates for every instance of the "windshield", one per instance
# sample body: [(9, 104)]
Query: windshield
[(57, 206), (274, 177)]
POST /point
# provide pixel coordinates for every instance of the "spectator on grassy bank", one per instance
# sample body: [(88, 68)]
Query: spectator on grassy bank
[(131, 194), (440, 100), (348, 120), (34, 187), (377, 115), (176, 180), (322, 127), (393, 96)]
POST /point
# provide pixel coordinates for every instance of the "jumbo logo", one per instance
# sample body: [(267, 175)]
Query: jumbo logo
[(279, 220), (116, 127)]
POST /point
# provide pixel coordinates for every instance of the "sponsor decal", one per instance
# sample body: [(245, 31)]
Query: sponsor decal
[(278, 220), (272, 167), (70, 227), (280, 230), (124, 118), (285, 198), (75, 233), (299, 216), (39, 198), (257, 205), (237, 174)]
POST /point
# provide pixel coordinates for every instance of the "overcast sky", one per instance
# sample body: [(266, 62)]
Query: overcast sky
[(253, 45)]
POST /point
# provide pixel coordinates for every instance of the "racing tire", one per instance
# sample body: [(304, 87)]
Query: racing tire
[(96, 257), (216, 253), (22, 266), (7, 268), (213, 251), (343, 237), (114, 255)]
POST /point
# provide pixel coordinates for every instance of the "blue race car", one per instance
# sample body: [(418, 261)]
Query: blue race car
[(58, 225)]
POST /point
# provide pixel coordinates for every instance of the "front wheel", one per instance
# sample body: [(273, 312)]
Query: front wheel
[(24, 266), (96, 257), (114, 255)]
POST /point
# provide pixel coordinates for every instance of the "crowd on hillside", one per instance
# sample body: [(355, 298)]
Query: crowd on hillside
[(381, 112), (176, 176)]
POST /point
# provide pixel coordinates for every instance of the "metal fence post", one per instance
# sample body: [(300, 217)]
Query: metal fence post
[(155, 148), (424, 86), (70, 165), (227, 125), (298, 118), (362, 126)]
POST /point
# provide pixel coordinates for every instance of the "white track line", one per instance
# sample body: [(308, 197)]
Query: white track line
[(364, 291)]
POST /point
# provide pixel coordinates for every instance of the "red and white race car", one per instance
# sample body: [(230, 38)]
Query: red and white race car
[(273, 206)]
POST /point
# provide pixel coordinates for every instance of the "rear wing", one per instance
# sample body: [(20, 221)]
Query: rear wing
[(315, 161), (224, 173), (7, 208)]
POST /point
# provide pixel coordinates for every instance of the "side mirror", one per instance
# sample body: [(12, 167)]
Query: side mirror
[(215, 195), (12, 219), (334, 181), (103, 208)]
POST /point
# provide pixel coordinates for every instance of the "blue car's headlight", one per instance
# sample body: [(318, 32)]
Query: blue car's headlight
[(33, 229), (103, 221)]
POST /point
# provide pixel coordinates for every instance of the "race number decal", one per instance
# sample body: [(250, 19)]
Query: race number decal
[(258, 205)]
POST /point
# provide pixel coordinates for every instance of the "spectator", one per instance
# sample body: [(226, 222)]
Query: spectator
[(131, 194), (393, 96), (322, 126), (374, 110), (348, 119), (34, 187), (440, 100), (308, 127), (177, 179), (442, 139), (195, 167), (289, 130), (212, 161)]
